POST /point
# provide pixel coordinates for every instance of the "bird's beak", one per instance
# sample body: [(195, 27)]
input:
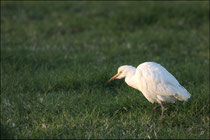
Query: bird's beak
[(114, 77)]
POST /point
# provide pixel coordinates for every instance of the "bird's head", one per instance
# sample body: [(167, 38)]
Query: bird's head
[(123, 71)]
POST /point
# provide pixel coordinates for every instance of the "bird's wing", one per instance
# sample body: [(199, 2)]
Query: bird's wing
[(155, 79)]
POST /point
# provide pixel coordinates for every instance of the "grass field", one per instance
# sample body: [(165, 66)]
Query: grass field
[(57, 57)]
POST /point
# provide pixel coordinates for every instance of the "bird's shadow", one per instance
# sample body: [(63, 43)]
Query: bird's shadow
[(111, 88)]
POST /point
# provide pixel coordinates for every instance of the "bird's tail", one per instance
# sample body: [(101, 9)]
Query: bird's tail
[(183, 94)]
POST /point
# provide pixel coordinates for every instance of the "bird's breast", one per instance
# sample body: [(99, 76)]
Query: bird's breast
[(131, 82)]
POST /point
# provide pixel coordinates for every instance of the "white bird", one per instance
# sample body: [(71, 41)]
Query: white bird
[(155, 82)]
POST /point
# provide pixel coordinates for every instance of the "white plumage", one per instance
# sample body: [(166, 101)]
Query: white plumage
[(154, 81)]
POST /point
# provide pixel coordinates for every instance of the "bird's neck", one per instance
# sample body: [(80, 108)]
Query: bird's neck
[(130, 78)]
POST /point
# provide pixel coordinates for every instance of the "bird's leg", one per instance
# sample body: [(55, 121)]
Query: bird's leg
[(163, 109), (154, 109)]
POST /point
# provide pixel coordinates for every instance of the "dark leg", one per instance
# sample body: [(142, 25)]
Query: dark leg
[(154, 109)]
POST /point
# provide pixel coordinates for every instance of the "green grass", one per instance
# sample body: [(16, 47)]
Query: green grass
[(57, 57)]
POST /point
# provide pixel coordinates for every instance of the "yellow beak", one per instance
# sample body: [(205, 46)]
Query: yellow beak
[(114, 77)]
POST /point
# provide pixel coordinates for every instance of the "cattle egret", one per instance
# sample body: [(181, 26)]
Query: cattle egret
[(155, 82)]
